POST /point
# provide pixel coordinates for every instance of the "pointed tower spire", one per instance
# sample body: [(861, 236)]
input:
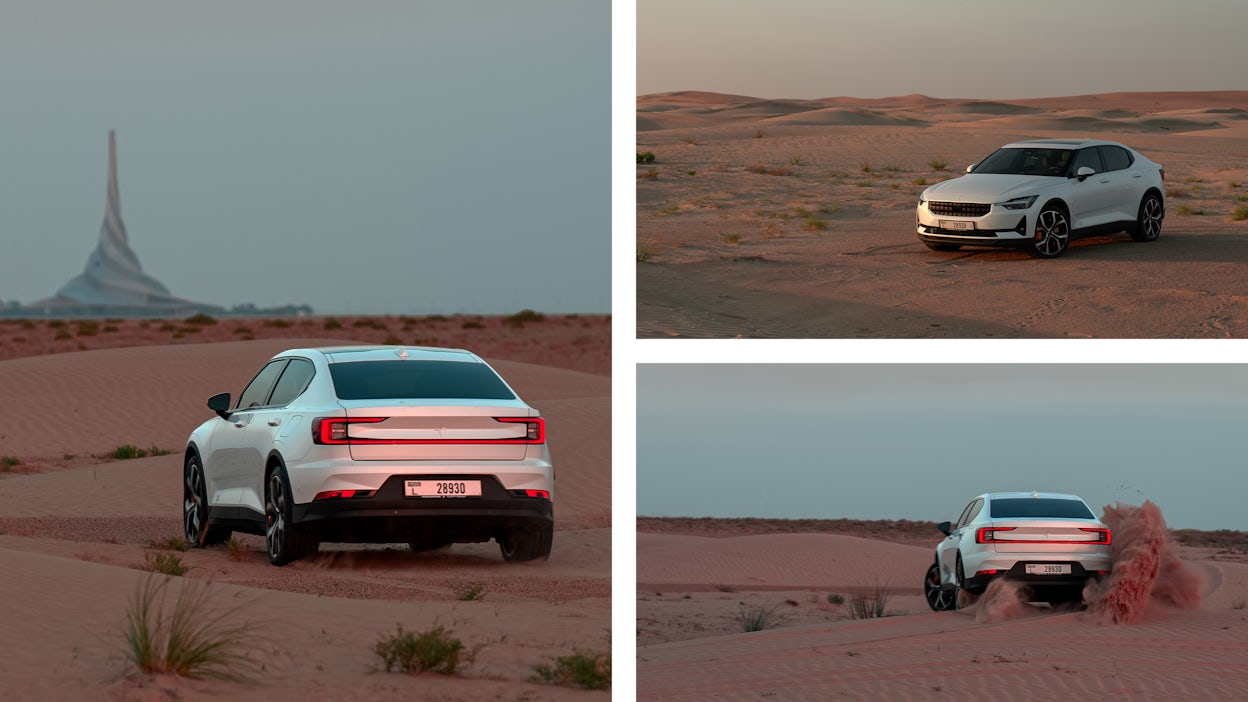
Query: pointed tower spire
[(113, 207)]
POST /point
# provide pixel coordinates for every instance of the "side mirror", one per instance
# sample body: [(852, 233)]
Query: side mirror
[(944, 527), (1084, 172), (970, 168), (220, 404)]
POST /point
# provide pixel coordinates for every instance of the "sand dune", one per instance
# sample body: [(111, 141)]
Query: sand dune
[(691, 645), (73, 529), (802, 225)]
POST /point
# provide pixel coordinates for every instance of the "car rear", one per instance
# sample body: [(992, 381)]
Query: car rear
[(425, 446), (1048, 541)]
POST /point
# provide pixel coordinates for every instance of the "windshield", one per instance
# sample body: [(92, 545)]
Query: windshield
[(1032, 161)]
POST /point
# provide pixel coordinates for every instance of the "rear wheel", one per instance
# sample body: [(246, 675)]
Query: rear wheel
[(1052, 233), (938, 598), (519, 544), (1148, 221), (195, 507), (286, 542)]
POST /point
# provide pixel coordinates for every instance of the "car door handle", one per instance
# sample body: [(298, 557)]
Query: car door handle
[(274, 422), (240, 424)]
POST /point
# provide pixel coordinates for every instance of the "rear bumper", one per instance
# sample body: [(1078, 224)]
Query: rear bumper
[(389, 517), (1079, 576)]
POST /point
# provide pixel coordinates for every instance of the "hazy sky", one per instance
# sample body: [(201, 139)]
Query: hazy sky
[(892, 441), (368, 156), (972, 49)]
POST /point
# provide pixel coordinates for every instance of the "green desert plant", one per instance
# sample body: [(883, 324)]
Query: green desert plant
[(814, 224), (795, 160), (170, 543), (761, 617), (166, 563), (938, 164), (645, 157), (836, 599), (435, 651), (332, 323), (200, 319), (128, 451), (471, 593), (920, 181), (194, 640), (1240, 213), (732, 238), (7, 463), (585, 669), (645, 251), (235, 549), (870, 602), (1185, 209)]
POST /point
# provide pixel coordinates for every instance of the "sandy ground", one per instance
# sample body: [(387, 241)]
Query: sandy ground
[(75, 529), (694, 585), (795, 219)]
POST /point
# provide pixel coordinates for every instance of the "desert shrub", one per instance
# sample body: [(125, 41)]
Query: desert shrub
[(128, 451), (435, 651), (1240, 213), (732, 238), (1186, 209), (472, 324), (7, 463), (920, 181), (170, 543), (938, 164), (649, 174), (194, 640), (870, 602), (761, 617), (518, 319), (589, 670), (834, 598), (645, 251), (758, 134), (645, 157), (200, 319), (277, 323), (332, 323), (814, 224), (795, 160), (88, 328), (166, 563), (235, 549), (471, 593)]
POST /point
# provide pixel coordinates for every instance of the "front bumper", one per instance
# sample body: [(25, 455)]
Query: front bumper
[(999, 227)]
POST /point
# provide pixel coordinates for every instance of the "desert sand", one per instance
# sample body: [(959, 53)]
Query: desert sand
[(697, 577), (74, 529), (795, 219)]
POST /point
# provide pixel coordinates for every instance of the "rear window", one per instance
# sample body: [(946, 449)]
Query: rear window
[(430, 380), (1039, 507)]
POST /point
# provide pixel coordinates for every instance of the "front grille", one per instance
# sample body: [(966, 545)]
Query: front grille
[(959, 209)]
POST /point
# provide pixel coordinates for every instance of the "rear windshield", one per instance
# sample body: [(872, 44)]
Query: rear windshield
[(376, 380), (1039, 507)]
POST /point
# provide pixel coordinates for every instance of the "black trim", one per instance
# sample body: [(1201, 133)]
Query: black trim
[(242, 519)]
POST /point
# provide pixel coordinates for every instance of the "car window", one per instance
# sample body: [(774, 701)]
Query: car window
[(1090, 157), (376, 380), (962, 519), (1036, 161), (294, 381), (1026, 507), (257, 391), (976, 506), (1116, 158)]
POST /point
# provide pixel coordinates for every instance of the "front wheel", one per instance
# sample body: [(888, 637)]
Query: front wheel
[(938, 598), (1148, 221), (519, 544), (1052, 233), (195, 526)]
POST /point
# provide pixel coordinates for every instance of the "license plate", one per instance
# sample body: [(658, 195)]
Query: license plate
[(1048, 569), (442, 488), (956, 225)]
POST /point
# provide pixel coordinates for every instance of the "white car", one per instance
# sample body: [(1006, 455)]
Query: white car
[(1051, 542), (372, 444), (1042, 194)]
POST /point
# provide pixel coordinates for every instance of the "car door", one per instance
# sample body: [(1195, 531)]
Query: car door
[(1127, 183), (230, 463), (949, 547), (262, 433), (1092, 199)]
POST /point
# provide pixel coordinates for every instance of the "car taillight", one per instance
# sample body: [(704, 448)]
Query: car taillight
[(985, 534), (535, 431), (333, 430), (1103, 535), (343, 494), (544, 494)]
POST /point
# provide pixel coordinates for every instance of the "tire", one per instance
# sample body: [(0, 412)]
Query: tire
[(938, 598), (1052, 233), (1148, 221), (284, 541), (520, 544), (195, 525), (943, 247)]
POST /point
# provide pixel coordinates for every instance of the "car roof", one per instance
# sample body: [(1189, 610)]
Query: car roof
[(1035, 495), (1061, 143), (346, 354)]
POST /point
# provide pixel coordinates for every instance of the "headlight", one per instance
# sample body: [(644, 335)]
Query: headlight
[(1019, 203)]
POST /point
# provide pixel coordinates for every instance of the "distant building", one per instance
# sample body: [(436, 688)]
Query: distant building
[(113, 283)]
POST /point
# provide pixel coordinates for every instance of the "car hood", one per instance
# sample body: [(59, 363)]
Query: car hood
[(989, 187)]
